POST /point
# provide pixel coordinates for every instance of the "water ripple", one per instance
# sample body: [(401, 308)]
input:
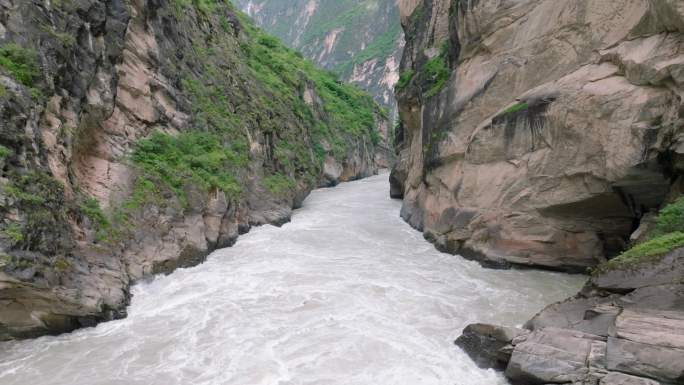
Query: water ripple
[(345, 294)]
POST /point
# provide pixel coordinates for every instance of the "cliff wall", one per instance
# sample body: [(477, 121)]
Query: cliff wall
[(138, 136), (539, 133)]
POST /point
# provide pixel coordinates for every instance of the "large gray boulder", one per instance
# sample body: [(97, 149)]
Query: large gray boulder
[(489, 345)]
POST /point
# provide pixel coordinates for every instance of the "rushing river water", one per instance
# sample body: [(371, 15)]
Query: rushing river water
[(345, 294)]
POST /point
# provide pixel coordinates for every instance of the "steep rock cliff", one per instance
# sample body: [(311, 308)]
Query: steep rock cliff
[(538, 133), (360, 40), (138, 136)]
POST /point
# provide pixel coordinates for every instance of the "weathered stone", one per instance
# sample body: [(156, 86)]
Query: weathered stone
[(614, 378), (645, 360), (653, 327), (593, 315), (552, 135), (658, 297), (553, 355), (489, 345), (667, 269)]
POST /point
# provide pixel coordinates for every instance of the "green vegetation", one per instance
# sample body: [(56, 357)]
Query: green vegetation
[(101, 224), (667, 236), (5, 260), (24, 196), (380, 48), (62, 3), (404, 79), (671, 218), (516, 107), (204, 6), (242, 92), (21, 63), (647, 250), (348, 18), (61, 264), (67, 39), (278, 183), (437, 73), (193, 157), (40, 199), (281, 70), (4, 152), (117, 225), (14, 232), (212, 110)]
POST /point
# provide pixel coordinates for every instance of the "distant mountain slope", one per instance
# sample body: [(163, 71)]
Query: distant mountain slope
[(359, 39)]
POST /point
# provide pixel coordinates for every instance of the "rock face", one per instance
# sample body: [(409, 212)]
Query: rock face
[(360, 40), (538, 133), (138, 136), (631, 334)]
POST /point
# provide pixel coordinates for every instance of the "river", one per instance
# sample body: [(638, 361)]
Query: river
[(347, 293)]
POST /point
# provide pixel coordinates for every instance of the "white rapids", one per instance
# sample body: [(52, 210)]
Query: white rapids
[(347, 293)]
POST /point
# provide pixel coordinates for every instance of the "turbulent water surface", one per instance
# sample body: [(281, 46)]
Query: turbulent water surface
[(345, 294)]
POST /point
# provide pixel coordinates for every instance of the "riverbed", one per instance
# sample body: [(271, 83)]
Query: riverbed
[(347, 293)]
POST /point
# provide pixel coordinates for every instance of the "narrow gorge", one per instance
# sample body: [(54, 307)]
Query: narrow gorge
[(174, 212), (360, 40)]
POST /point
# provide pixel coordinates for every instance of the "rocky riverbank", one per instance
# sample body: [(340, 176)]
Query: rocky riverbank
[(626, 327)]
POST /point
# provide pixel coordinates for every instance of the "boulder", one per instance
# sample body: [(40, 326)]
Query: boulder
[(593, 315), (489, 345)]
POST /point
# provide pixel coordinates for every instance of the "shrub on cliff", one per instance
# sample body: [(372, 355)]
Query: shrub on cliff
[(192, 157), (667, 236), (21, 63), (671, 218)]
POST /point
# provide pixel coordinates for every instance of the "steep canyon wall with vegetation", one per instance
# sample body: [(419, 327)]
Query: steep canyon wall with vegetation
[(138, 136), (359, 40)]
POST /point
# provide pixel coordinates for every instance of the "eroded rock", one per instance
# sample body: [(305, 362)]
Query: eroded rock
[(589, 338), (551, 134)]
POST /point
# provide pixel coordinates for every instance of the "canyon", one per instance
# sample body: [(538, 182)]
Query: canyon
[(536, 163), (361, 41), (137, 137)]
